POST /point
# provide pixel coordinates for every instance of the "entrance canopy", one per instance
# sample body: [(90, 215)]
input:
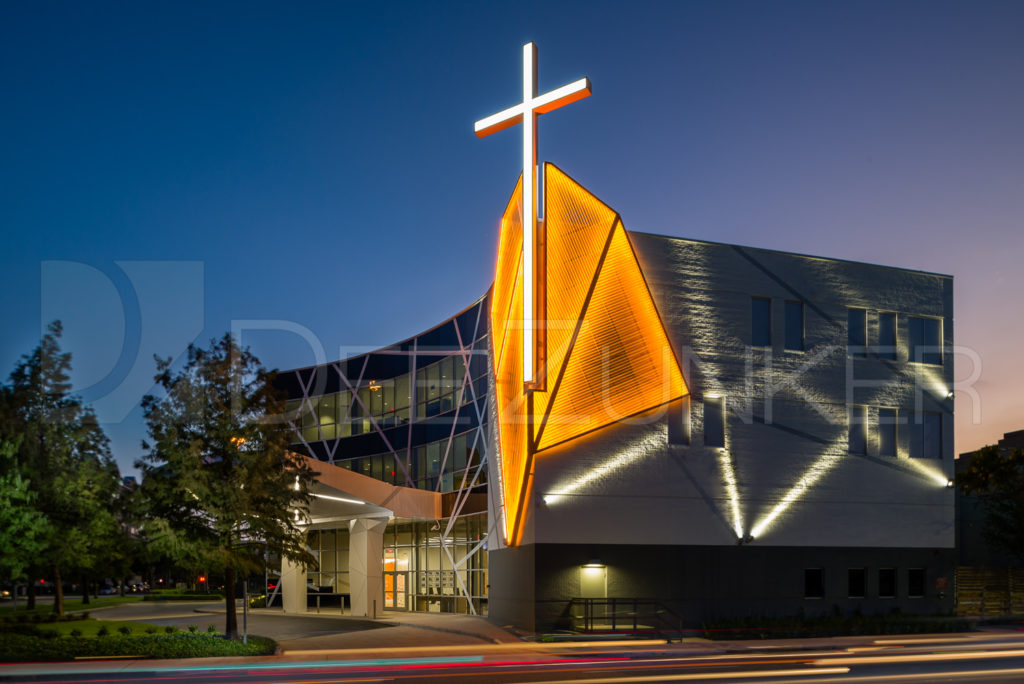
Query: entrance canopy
[(340, 495)]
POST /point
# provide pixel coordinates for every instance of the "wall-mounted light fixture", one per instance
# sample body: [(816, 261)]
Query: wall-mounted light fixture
[(950, 484)]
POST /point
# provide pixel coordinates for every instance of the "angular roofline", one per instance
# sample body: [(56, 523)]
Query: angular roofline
[(399, 342), (796, 254)]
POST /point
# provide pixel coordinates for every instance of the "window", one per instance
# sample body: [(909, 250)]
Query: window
[(887, 582), (887, 432), (814, 583), (714, 421), (915, 582), (926, 435), (856, 581), (887, 336), (925, 340), (857, 438), (760, 322), (856, 331), (795, 326), (679, 422)]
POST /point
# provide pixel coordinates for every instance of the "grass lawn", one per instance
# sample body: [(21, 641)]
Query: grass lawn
[(90, 627), (69, 606)]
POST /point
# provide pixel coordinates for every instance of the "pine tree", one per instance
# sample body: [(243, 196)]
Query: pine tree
[(219, 482), (64, 453)]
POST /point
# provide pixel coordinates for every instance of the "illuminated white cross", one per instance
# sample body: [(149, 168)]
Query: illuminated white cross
[(527, 112)]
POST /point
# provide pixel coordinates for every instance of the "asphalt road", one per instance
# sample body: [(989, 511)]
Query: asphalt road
[(967, 658)]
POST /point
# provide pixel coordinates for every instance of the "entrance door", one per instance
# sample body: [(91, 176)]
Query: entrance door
[(396, 590)]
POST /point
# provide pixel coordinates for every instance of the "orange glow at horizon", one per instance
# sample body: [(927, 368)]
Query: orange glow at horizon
[(607, 354)]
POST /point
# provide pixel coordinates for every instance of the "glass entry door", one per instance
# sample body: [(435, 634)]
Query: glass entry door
[(396, 590)]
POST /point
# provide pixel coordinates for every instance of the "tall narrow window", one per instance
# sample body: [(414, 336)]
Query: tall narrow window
[(887, 432), (714, 421), (856, 331), (814, 583), (794, 326), (856, 582), (887, 335), (760, 322), (679, 421), (858, 430), (915, 583), (925, 340), (926, 435), (887, 582)]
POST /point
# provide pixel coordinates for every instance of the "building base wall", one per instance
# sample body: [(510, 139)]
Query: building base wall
[(511, 598), (702, 583)]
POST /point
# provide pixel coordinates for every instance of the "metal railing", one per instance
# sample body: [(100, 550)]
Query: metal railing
[(633, 615)]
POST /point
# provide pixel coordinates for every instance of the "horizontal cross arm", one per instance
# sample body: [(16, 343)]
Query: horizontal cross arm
[(560, 97), (498, 122)]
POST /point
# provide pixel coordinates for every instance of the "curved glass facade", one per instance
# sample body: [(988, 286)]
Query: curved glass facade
[(411, 414)]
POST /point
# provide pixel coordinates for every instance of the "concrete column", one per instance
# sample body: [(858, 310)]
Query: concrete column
[(366, 565), (293, 586)]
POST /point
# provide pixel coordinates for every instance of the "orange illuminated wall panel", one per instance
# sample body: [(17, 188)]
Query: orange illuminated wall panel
[(607, 354)]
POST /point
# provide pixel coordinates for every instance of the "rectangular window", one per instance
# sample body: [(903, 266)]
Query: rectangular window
[(887, 432), (795, 326), (760, 322), (857, 436), (856, 582), (887, 583), (814, 583), (714, 421), (926, 435), (925, 340), (856, 331), (887, 336), (915, 583), (679, 422)]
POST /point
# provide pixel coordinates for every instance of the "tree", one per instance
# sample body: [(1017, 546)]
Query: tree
[(64, 453), (23, 529), (219, 482), (997, 478)]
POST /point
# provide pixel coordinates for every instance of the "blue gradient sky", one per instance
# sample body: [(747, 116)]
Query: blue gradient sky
[(168, 168)]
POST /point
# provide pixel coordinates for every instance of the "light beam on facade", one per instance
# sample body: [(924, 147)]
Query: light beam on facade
[(832, 456)]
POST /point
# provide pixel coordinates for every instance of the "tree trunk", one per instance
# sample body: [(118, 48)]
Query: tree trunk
[(30, 600), (85, 591), (230, 616), (58, 598), (120, 587)]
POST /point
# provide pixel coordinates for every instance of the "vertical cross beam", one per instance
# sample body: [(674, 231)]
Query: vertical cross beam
[(526, 112)]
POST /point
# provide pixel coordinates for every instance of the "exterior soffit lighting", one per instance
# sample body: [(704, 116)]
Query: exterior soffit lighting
[(339, 498)]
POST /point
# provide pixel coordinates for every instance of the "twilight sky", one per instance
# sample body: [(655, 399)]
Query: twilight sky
[(307, 173)]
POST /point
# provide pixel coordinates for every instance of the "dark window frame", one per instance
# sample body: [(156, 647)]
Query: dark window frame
[(714, 430), (850, 583), (794, 340), (814, 583), (856, 346), (883, 582), (761, 322)]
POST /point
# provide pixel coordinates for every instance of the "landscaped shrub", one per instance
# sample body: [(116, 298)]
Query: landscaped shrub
[(211, 629), (170, 629), (102, 631), (151, 630), (193, 628), (76, 632), (19, 647), (124, 629)]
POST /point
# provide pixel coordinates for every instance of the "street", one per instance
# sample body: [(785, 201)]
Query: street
[(995, 656)]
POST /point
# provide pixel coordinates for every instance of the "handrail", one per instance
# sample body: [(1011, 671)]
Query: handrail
[(655, 616)]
